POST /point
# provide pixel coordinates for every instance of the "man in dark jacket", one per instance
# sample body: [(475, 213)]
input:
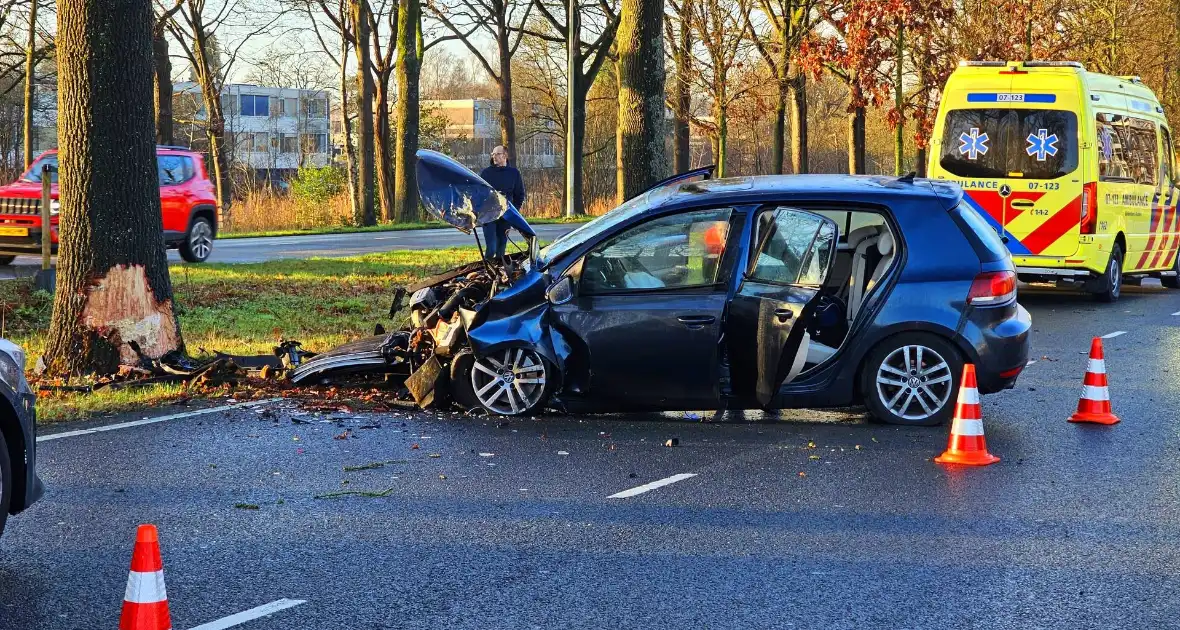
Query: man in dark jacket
[(507, 181)]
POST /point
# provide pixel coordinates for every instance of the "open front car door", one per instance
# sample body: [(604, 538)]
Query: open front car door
[(791, 253)]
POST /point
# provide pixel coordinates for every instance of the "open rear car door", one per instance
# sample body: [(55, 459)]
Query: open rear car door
[(791, 254)]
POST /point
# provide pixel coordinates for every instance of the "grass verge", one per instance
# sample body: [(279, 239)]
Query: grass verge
[(384, 227), (241, 309)]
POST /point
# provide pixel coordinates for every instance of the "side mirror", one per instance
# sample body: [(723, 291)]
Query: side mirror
[(561, 292)]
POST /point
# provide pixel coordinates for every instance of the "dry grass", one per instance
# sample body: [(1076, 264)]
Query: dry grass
[(265, 211)]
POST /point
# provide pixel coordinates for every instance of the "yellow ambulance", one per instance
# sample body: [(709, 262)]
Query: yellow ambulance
[(1074, 169)]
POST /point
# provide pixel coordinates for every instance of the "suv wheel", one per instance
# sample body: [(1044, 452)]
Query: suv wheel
[(198, 242), (912, 379), (511, 382), (1112, 281), (5, 483), (1172, 282)]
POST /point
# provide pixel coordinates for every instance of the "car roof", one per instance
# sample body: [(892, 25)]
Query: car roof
[(863, 188)]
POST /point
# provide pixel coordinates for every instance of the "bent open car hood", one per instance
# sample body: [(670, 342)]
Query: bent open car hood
[(457, 196)]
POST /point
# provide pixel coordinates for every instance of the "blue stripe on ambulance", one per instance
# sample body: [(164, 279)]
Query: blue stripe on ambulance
[(1014, 244)]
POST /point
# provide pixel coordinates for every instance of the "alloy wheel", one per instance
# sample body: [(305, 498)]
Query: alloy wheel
[(509, 382), (201, 240), (914, 382), (1116, 276)]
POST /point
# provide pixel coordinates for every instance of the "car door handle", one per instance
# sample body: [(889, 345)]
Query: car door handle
[(1022, 203), (696, 320), (784, 314)]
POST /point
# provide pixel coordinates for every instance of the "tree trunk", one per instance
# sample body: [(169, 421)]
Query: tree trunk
[(346, 127), (113, 285), (799, 163), (920, 161), (778, 146), (163, 87), (682, 100), (898, 101), (856, 132), (30, 80), (383, 149), (405, 182), (575, 113), (722, 118), (507, 116), (364, 113), (640, 154)]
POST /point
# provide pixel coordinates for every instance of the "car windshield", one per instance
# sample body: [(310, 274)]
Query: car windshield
[(34, 172), (602, 224)]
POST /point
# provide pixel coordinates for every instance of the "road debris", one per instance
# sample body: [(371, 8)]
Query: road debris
[(357, 493), (672, 442)]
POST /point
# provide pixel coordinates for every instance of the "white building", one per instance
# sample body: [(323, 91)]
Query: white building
[(473, 130), (273, 131)]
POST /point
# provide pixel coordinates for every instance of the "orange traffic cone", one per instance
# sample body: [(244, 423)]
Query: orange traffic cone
[(145, 606), (967, 445), (1094, 405)]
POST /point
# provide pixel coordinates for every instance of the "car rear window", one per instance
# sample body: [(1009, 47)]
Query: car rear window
[(984, 240), (1010, 143), (174, 169)]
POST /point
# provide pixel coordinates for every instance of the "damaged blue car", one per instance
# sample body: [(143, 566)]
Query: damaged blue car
[(750, 292)]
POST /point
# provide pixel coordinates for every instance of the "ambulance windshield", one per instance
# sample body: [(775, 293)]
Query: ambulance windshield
[(1010, 143)]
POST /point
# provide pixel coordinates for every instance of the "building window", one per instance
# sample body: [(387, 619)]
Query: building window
[(481, 116), (316, 108), (261, 142), (290, 144), (315, 143), (255, 105), (227, 105)]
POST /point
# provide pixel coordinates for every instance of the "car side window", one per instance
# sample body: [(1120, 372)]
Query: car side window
[(673, 252), (792, 247), (174, 169)]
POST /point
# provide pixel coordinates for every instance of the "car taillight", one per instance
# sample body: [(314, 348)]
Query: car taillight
[(992, 287), (1089, 208)]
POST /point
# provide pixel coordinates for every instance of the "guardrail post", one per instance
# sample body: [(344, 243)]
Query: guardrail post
[(46, 233), (46, 278)]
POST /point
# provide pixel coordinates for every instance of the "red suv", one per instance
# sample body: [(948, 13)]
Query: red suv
[(188, 201)]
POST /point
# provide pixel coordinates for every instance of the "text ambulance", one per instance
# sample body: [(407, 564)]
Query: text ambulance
[(1075, 169)]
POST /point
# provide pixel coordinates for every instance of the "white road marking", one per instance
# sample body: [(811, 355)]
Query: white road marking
[(1114, 334), (1176, 313), (136, 423), (250, 615), (652, 486), (1031, 361)]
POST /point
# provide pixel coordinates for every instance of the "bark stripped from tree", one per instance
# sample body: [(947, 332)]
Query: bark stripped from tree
[(409, 25), (640, 157), (112, 277)]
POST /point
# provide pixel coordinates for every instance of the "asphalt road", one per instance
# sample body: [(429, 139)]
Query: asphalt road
[(248, 250), (509, 525)]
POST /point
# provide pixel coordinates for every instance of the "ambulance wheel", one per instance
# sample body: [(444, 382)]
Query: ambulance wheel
[(1172, 282), (1112, 281)]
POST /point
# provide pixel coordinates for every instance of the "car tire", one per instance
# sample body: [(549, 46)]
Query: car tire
[(899, 387), (1111, 281), (5, 483), (1172, 282), (198, 241), (510, 382), (6, 260)]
